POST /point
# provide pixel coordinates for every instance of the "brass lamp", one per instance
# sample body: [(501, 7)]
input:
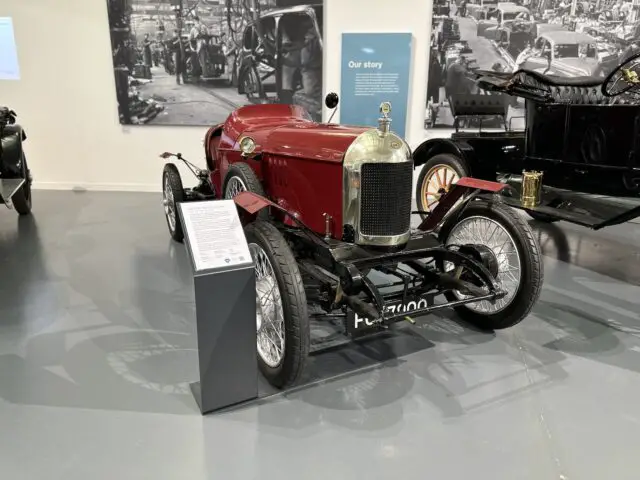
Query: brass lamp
[(531, 189)]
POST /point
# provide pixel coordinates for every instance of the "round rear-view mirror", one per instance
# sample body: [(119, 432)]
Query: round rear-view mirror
[(331, 100)]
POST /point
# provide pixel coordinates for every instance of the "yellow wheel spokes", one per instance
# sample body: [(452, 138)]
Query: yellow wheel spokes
[(436, 183)]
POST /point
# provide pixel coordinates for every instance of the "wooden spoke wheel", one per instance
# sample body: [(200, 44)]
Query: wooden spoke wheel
[(438, 175), (437, 182)]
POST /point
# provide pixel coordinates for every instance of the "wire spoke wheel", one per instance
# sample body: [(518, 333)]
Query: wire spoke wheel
[(172, 195), (486, 231), (235, 185), (269, 310), (169, 203)]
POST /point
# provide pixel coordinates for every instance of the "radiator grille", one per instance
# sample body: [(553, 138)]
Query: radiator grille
[(385, 201)]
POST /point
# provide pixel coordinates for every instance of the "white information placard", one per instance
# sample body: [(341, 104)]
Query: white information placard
[(9, 69), (215, 234)]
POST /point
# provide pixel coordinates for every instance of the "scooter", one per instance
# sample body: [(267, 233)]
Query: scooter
[(15, 176)]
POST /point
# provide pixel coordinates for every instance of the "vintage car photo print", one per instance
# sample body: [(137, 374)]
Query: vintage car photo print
[(569, 39), (192, 62)]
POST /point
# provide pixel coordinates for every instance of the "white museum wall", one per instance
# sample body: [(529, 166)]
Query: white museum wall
[(66, 100), (66, 97)]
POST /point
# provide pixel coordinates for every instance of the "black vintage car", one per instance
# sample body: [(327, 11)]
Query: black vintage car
[(15, 177), (582, 133)]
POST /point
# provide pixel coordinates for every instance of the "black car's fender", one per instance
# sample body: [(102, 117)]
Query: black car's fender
[(11, 154), (436, 146)]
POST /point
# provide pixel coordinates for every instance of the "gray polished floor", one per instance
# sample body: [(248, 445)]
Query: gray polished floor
[(97, 346)]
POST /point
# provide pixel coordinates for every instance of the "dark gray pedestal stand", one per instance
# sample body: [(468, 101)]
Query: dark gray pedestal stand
[(226, 327)]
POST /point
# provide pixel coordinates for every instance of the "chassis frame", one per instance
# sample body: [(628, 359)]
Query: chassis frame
[(341, 267)]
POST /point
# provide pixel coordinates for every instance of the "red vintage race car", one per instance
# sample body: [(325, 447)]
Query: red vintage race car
[(328, 207)]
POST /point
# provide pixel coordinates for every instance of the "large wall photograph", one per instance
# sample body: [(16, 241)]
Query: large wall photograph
[(192, 62), (581, 37)]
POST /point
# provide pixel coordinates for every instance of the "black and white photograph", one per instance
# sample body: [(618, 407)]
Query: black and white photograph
[(555, 37), (192, 62)]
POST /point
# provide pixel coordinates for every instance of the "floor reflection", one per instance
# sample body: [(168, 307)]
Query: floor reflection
[(97, 321), (592, 250)]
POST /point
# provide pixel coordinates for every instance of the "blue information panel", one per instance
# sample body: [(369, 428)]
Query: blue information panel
[(375, 69)]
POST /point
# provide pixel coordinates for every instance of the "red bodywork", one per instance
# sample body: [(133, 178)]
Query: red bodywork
[(300, 161)]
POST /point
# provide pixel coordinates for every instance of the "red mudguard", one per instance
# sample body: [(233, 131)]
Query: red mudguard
[(252, 203), (464, 185)]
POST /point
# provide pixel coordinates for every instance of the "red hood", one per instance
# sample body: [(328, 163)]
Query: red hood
[(255, 118), (286, 130), (316, 141)]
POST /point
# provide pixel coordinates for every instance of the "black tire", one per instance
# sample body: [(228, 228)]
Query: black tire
[(21, 200), (171, 178), (250, 180), (531, 266), (294, 304), (456, 163), (542, 217)]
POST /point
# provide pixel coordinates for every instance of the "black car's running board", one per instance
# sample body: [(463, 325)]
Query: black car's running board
[(8, 188), (588, 210)]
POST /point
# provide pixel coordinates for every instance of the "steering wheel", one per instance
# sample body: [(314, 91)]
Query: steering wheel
[(623, 78)]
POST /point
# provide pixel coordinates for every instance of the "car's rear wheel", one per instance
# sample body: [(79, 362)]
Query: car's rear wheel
[(436, 178), (282, 320), (172, 194), (519, 271), (242, 178)]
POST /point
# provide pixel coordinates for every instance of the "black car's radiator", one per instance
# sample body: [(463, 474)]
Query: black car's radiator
[(385, 198)]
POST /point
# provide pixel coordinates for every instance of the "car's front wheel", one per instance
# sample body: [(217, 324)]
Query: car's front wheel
[(241, 178), (515, 258), (282, 320)]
